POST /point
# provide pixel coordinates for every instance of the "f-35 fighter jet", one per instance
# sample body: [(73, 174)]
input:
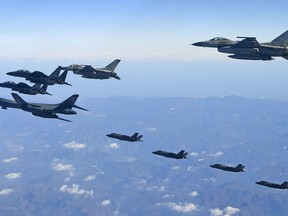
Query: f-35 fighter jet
[(249, 48), (39, 77), (40, 109), (87, 71), (134, 138), (26, 89), (284, 185), (181, 155), (239, 168)]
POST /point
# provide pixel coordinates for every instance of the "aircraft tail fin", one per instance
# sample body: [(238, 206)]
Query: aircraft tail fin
[(69, 102), (281, 40), (285, 183), (19, 100), (183, 154), (37, 86), (135, 135), (139, 138), (111, 67), (56, 72), (240, 167), (62, 78)]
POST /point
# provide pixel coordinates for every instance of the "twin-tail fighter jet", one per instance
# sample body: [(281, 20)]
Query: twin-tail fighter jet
[(40, 77), (238, 168), (26, 89), (284, 185), (249, 48), (40, 109), (181, 155), (134, 138), (89, 72)]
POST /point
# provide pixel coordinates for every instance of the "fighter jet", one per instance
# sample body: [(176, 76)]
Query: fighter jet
[(181, 155), (26, 89), (40, 77), (239, 168), (87, 71), (40, 109), (134, 138), (249, 48), (284, 185)]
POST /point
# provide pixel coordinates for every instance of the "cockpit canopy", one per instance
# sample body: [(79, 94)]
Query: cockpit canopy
[(219, 39)]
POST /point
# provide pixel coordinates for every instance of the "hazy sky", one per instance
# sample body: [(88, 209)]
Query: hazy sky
[(151, 38)]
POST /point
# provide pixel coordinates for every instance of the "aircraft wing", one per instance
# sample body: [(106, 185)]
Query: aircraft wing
[(88, 68), (247, 42)]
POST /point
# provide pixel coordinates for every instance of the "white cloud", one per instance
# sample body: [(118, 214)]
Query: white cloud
[(217, 154), (12, 175), (74, 189), (152, 129), (8, 160), (176, 168), (182, 207), (90, 178), (194, 154), (114, 146), (63, 167), (229, 210), (106, 202), (194, 193), (6, 191), (74, 145)]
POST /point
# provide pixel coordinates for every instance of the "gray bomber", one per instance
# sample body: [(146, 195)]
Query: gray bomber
[(40, 109), (249, 48)]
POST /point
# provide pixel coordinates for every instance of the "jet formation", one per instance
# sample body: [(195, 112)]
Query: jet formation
[(238, 168), (134, 138), (181, 155), (249, 48)]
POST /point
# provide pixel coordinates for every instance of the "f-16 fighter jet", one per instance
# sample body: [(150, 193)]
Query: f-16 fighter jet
[(239, 168), (39, 77), (40, 109), (26, 89), (249, 48), (284, 185), (134, 138), (181, 155), (87, 71)]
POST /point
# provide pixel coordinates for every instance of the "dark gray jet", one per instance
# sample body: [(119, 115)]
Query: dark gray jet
[(40, 109), (239, 168), (87, 71), (181, 155), (26, 89), (284, 185), (40, 77), (134, 138), (250, 49)]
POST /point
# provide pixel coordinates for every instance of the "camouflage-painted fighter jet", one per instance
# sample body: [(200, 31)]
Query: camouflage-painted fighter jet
[(134, 138), (238, 168), (26, 89), (41, 109), (40, 77), (89, 72), (284, 185), (249, 48), (181, 155)]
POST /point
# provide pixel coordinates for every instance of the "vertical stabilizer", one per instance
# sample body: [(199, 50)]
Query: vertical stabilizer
[(281, 40), (111, 67)]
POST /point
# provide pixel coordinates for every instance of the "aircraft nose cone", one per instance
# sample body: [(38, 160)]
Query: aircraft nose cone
[(198, 44)]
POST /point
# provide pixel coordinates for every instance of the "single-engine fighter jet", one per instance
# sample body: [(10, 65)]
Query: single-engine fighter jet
[(284, 185), (40, 77), (239, 168), (134, 138), (181, 155), (87, 71), (249, 48), (40, 109), (26, 89)]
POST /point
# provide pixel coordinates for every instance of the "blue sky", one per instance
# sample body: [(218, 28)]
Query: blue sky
[(151, 38)]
